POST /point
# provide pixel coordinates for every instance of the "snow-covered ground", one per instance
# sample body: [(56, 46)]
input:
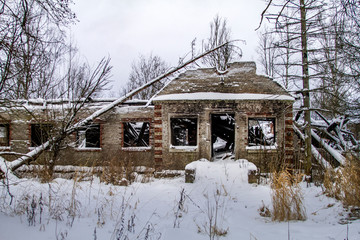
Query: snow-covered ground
[(67, 209)]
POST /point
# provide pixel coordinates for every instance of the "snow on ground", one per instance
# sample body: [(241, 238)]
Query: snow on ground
[(154, 210)]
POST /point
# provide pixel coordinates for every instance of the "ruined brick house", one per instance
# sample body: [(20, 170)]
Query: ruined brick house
[(202, 113)]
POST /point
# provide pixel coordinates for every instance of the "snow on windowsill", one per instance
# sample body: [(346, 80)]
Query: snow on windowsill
[(260, 148), (136, 149), (5, 148), (184, 148), (88, 149)]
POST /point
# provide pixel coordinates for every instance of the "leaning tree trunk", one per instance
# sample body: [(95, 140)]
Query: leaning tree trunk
[(8, 167)]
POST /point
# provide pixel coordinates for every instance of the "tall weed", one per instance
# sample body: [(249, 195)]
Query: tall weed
[(118, 172), (287, 197), (344, 183), (214, 214)]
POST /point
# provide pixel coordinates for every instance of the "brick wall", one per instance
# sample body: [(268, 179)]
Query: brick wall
[(289, 138), (158, 131)]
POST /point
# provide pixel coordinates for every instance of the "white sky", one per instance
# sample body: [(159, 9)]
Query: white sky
[(124, 29)]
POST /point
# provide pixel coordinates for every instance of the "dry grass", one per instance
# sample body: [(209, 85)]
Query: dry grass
[(214, 214), (332, 184), (344, 183), (118, 172), (287, 197), (124, 172)]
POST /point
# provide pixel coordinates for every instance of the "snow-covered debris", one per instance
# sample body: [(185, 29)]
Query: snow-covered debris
[(213, 171)]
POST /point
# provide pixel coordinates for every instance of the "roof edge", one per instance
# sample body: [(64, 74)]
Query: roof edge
[(221, 96)]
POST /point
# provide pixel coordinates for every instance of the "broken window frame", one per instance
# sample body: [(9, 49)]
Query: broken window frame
[(259, 139), (89, 137), (40, 133), (225, 132), (4, 135), (140, 136), (191, 140)]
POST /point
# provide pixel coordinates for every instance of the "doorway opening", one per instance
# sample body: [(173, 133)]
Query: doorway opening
[(222, 135)]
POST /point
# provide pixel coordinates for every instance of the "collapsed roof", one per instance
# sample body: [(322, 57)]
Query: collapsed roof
[(239, 78)]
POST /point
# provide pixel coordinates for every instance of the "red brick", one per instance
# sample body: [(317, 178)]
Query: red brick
[(158, 152), (158, 129), (289, 114), (158, 144), (158, 121), (288, 138), (157, 107), (158, 137)]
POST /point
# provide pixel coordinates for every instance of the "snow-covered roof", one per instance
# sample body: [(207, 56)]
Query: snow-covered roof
[(239, 78), (221, 96), (66, 103)]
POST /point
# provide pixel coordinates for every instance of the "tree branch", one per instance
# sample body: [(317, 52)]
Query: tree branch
[(263, 14), (31, 156)]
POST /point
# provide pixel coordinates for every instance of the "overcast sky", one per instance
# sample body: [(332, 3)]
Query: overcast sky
[(124, 29)]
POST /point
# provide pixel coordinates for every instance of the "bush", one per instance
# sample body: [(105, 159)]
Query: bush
[(287, 197)]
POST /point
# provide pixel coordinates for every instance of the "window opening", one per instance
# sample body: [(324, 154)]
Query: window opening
[(4, 135), (89, 137), (136, 134), (222, 134), (183, 131), (40, 134), (261, 132)]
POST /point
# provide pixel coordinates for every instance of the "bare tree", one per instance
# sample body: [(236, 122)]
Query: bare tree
[(297, 19), (143, 71), (31, 45), (220, 33), (63, 118), (8, 167), (87, 86), (276, 53), (349, 14), (267, 53), (335, 84), (33, 56)]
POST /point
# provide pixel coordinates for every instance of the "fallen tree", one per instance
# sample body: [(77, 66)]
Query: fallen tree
[(8, 167), (330, 135)]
